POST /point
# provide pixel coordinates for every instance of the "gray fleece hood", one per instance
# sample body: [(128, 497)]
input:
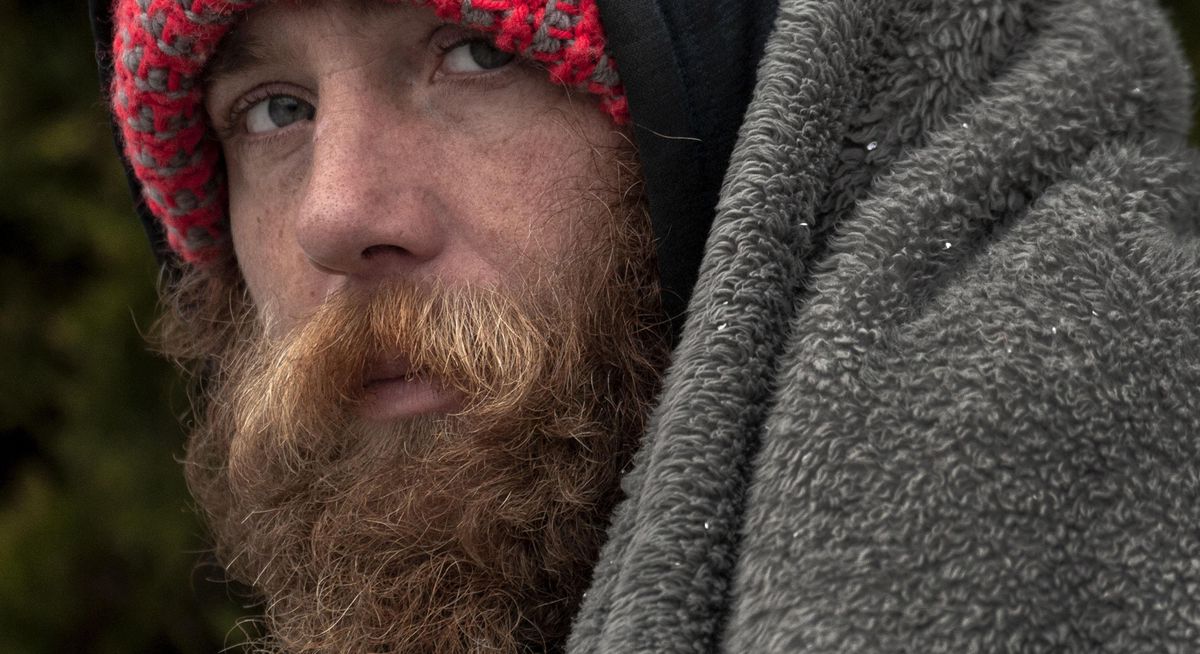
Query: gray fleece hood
[(939, 385)]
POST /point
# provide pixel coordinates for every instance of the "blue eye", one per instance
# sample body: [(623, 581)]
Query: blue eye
[(277, 112), (476, 56)]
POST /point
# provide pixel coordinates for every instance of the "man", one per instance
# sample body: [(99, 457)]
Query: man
[(934, 380)]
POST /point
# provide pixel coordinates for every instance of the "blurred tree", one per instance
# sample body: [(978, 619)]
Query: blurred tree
[(98, 546), (97, 543)]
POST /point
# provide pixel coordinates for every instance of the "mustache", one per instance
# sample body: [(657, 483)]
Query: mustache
[(499, 351)]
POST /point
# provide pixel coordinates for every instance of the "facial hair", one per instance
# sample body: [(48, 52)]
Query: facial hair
[(469, 532)]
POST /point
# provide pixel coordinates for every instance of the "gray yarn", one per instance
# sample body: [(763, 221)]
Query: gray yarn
[(939, 389)]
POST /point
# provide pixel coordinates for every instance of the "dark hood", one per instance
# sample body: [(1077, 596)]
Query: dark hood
[(688, 68)]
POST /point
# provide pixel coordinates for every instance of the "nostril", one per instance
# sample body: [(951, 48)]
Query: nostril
[(382, 249)]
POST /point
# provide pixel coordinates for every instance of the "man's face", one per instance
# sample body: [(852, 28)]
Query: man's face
[(413, 420), (369, 141)]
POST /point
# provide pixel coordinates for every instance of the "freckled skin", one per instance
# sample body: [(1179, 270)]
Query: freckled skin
[(407, 168)]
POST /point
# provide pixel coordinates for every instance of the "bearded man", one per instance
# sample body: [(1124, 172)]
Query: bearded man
[(872, 323)]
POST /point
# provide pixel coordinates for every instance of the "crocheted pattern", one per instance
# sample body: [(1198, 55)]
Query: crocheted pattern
[(160, 48)]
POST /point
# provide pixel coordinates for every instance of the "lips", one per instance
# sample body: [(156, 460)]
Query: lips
[(394, 390), (391, 371)]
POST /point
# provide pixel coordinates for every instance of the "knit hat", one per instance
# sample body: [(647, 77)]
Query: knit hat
[(161, 47)]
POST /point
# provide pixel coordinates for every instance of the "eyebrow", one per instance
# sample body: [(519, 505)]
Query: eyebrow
[(237, 52)]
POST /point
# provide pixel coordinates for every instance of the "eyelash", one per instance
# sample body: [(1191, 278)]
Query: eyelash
[(236, 118), (458, 41), (461, 40)]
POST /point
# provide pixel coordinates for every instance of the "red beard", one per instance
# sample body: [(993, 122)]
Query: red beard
[(470, 532)]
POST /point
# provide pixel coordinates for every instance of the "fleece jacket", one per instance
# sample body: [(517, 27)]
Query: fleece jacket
[(938, 389)]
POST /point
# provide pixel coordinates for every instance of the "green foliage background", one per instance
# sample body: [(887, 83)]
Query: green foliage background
[(99, 550), (98, 546)]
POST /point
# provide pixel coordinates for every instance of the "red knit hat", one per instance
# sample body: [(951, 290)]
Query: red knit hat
[(160, 49)]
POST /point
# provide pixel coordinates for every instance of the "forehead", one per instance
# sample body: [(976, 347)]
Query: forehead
[(282, 31)]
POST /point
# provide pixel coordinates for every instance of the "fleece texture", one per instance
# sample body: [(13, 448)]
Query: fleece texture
[(939, 385)]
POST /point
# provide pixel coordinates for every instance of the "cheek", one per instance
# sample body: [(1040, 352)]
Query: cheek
[(271, 263), (252, 232), (537, 183)]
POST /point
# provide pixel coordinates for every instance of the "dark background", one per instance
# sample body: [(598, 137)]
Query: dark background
[(99, 548)]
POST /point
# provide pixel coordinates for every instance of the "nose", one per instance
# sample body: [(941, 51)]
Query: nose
[(369, 208)]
